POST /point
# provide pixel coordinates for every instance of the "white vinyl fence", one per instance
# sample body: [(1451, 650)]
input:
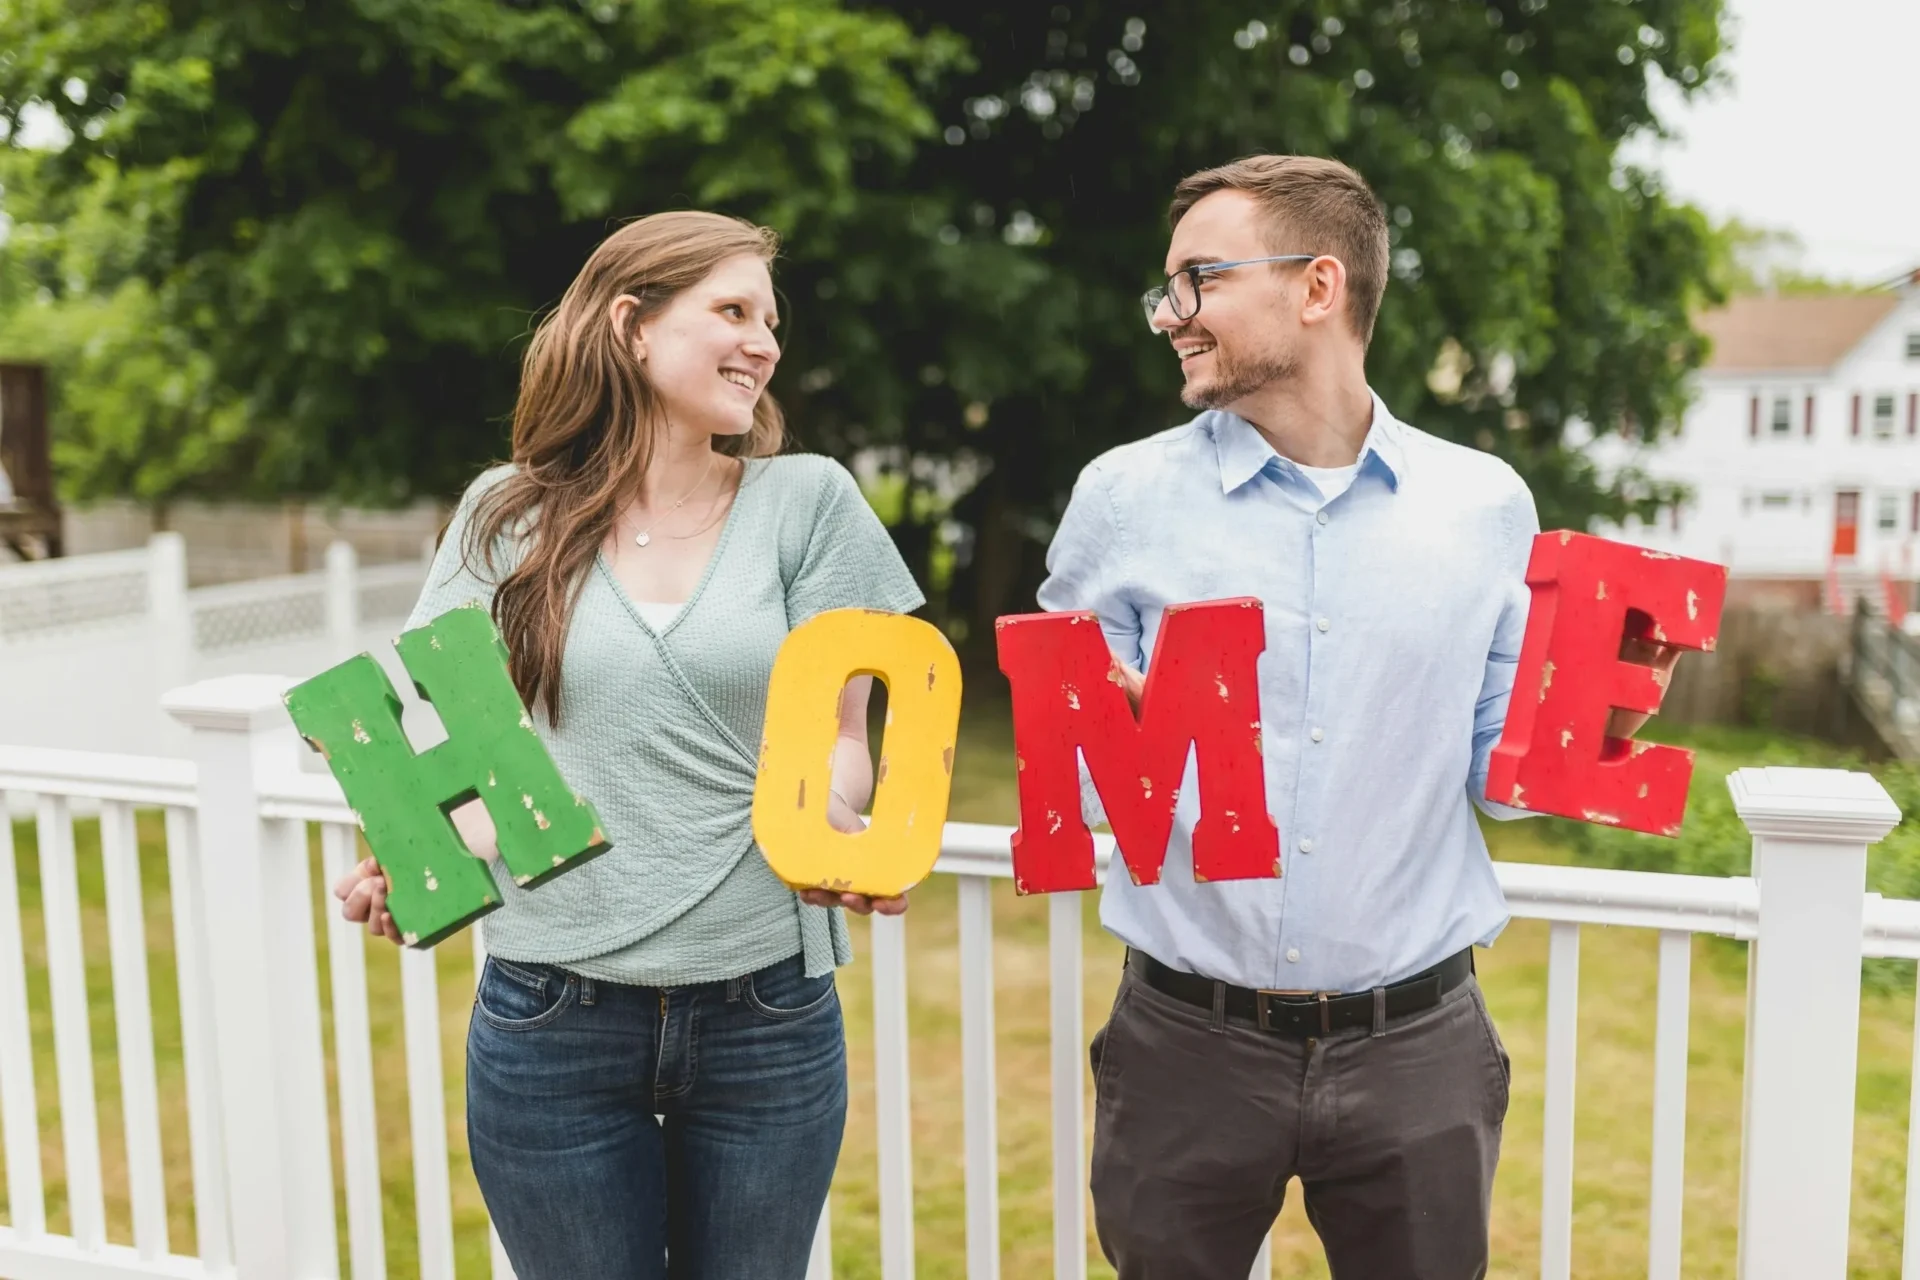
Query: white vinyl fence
[(126, 624), (238, 811)]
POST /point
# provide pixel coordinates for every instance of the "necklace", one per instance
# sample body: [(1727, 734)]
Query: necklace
[(645, 536)]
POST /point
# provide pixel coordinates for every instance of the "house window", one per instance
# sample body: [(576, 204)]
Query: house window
[(1888, 519), (1782, 416), (1913, 345), (1883, 417), (1775, 501)]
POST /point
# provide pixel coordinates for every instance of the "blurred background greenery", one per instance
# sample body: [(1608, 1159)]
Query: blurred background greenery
[(291, 250)]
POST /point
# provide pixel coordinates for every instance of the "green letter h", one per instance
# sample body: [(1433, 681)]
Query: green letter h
[(351, 715)]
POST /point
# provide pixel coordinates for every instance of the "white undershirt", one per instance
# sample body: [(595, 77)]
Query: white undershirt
[(659, 614), (1331, 481)]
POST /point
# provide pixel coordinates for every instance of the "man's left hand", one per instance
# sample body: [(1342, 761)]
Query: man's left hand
[(1661, 657)]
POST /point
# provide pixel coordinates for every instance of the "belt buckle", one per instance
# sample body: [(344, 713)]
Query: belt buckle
[(1261, 995)]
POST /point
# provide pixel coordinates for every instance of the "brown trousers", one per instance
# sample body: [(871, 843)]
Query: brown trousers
[(1199, 1123)]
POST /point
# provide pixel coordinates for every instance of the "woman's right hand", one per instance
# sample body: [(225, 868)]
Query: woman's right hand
[(363, 898)]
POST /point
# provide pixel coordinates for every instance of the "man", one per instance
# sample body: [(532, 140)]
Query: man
[(1325, 1025)]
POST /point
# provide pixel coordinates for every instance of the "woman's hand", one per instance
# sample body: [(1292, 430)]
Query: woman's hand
[(363, 897), (858, 903), (842, 817)]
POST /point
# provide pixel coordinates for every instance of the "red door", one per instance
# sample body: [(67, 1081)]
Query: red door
[(1846, 522)]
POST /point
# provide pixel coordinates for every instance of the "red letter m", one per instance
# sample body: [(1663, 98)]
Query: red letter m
[(1067, 702)]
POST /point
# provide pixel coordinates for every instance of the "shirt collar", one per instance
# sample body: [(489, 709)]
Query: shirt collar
[(1244, 453)]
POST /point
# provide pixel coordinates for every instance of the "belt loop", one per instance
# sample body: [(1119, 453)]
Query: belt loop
[(1379, 1013), (1219, 1026), (586, 990), (1326, 1016)]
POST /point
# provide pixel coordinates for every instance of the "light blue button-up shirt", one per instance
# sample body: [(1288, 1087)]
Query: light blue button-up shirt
[(1394, 615)]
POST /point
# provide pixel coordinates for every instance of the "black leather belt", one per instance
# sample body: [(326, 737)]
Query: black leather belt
[(1308, 1013)]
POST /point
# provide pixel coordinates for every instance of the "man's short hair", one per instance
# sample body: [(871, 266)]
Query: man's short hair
[(1313, 206)]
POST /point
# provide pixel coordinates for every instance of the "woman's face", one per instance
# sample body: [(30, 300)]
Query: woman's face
[(710, 352)]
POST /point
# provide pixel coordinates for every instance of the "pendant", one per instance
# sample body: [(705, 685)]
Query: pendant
[(641, 539)]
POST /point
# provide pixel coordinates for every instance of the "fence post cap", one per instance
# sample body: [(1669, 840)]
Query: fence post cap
[(1839, 805), (238, 704)]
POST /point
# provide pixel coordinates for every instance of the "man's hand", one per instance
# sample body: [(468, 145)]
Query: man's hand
[(363, 898), (1131, 683), (1661, 657)]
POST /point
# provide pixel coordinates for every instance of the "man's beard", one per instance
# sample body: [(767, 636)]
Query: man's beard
[(1234, 380)]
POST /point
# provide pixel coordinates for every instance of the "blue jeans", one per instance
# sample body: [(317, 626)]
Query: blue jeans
[(565, 1079)]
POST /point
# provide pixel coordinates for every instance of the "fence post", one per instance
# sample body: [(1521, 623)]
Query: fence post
[(258, 909), (343, 601), (1811, 829), (171, 636)]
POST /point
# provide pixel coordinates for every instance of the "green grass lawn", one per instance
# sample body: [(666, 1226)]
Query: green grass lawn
[(1614, 1091)]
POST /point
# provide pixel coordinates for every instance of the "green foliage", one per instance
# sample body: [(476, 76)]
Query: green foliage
[(1759, 690), (350, 211), (1490, 132), (344, 215), (1747, 260)]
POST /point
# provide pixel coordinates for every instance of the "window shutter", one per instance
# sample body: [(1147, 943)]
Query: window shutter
[(1753, 418), (1809, 426), (1856, 413), (1916, 511), (1913, 413)]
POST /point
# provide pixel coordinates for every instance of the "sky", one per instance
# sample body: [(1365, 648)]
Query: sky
[(1814, 132)]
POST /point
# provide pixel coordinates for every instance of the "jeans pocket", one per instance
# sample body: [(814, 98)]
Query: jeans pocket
[(518, 998), (787, 995)]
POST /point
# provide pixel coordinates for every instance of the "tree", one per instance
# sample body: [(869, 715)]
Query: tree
[(351, 211), (1557, 281), (1748, 259)]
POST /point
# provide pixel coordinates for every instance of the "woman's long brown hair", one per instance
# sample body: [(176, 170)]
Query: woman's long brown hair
[(584, 429)]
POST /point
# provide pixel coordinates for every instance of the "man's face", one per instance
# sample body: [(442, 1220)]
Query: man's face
[(1244, 337)]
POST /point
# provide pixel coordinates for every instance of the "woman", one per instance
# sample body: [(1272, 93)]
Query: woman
[(644, 555)]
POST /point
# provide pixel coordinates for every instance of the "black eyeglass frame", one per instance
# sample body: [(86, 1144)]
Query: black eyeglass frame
[(1150, 300)]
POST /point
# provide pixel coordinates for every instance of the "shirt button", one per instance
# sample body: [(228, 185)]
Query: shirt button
[(1293, 955), (1318, 735), (1321, 517), (1306, 845), (1322, 623)]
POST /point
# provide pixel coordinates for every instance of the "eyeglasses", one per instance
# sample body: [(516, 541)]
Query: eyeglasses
[(1182, 289)]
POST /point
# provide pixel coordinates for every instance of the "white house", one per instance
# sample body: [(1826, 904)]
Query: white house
[(1801, 449)]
